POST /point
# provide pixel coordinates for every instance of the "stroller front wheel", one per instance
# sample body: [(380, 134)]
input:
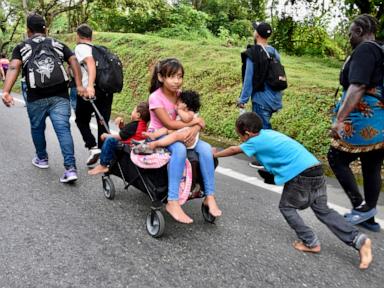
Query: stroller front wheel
[(155, 223), (206, 215), (108, 187)]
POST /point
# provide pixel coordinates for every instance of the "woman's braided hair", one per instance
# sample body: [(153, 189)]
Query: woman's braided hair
[(367, 23)]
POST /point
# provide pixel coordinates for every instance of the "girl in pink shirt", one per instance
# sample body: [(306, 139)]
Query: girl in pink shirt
[(167, 79)]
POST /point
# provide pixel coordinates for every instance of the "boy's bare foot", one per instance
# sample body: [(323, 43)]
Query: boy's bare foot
[(174, 209), (298, 245), (214, 210), (98, 170), (365, 254)]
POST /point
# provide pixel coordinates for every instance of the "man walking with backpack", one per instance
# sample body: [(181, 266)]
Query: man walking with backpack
[(41, 60), (85, 52), (265, 99)]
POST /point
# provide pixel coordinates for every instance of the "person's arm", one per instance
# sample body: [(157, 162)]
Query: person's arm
[(10, 79), (353, 96), (2, 72), (246, 90), (233, 150), (75, 67), (170, 124), (185, 116), (91, 68)]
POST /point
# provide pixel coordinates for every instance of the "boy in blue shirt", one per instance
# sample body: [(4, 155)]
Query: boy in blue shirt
[(304, 184)]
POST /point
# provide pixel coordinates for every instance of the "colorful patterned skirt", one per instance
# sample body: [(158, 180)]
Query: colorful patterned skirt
[(364, 126)]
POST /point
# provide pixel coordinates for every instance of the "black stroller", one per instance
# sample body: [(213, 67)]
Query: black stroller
[(153, 182)]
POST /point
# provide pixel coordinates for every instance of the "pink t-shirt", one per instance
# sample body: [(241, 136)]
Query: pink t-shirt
[(158, 100)]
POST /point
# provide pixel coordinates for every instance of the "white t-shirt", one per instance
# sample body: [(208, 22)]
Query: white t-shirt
[(83, 51)]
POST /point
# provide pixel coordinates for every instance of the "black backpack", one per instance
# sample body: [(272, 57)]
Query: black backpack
[(269, 69), (276, 77), (44, 68), (109, 70)]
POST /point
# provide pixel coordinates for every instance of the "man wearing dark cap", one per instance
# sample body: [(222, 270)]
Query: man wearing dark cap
[(265, 101), (41, 60)]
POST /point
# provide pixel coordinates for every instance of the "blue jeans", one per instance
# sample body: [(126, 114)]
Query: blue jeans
[(59, 111), (177, 163), (302, 192), (73, 97), (108, 151), (264, 113), (24, 91)]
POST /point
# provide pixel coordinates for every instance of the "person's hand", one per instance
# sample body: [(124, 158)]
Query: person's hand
[(201, 122), (214, 151), (7, 99), (90, 92), (80, 91), (104, 136), (119, 122), (191, 135), (337, 130), (241, 105)]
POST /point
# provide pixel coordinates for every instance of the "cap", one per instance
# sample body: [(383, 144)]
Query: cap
[(36, 22), (263, 29)]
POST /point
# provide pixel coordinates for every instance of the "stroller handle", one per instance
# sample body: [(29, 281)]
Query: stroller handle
[(101, 118)]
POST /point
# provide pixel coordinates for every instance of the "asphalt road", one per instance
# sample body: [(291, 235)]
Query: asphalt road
[(57, 235)]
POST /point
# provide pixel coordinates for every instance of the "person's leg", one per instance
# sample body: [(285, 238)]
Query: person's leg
[(175, 173), (104, 105), (207, 169), (264, 113), (37, 113), (106, 156), (341, 228), (73, 97), (339, 162), (296, 196), (59, 113), (371, 163), (168, 139), (83, 118)]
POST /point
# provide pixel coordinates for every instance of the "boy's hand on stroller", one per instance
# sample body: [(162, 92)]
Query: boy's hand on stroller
[(80, 91), (90, 92)]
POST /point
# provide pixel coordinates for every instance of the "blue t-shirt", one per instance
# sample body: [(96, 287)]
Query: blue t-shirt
[(282, 156)]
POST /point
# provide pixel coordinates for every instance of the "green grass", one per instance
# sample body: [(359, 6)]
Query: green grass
[(215, 71)]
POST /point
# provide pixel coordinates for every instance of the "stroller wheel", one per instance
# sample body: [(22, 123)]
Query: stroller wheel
[(108, 187), (206, 215), (155, 223)]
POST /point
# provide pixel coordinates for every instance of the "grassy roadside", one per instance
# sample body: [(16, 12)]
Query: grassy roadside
[(214, 71)]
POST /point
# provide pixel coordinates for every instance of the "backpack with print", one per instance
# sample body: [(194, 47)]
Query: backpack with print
[(45, 68), (109, 70)]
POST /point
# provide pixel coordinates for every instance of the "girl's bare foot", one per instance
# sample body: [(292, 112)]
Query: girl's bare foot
[(99, 169), (298, 245), (174, 209), (366, 254), (214, 210)]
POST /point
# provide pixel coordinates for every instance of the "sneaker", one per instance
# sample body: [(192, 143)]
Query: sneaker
[(41, 163), (70, 175), (94, 154), (255, 164), (374, 227)]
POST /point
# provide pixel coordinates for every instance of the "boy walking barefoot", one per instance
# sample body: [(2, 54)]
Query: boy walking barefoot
[(304, 185)]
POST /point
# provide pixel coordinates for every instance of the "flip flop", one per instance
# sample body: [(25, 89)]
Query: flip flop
[(357, 217)]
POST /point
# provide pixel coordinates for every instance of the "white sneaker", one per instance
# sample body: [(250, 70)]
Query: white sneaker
[(94, 154)]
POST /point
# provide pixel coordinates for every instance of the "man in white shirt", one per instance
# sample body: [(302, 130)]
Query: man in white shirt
[(103, 101)]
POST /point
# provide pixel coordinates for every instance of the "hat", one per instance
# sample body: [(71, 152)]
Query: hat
[(36, 23), (263, 29)]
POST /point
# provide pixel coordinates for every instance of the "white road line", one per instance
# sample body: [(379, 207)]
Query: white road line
[(244, 178)]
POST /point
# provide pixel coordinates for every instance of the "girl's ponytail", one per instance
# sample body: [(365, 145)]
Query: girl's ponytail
[(165, 68)]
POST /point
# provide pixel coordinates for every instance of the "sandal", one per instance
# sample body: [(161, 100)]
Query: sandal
[(143, 149), (356, 217)]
